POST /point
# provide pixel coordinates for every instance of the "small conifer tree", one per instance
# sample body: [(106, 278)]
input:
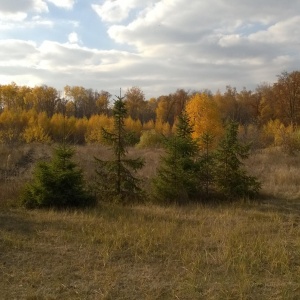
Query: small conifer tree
[(57, 184), (115, 180), (177, 177), (231, 179)]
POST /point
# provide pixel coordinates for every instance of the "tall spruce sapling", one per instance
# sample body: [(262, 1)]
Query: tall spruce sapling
[(177, 177), (231, 178), (57, 184), (115, 180)]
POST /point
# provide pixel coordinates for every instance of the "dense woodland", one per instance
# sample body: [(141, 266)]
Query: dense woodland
[(266, 116)]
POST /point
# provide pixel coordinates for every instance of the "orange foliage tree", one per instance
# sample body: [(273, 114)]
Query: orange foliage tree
[(204, 116)]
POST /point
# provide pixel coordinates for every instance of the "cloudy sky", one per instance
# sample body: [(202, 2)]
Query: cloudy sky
[(157, 45)]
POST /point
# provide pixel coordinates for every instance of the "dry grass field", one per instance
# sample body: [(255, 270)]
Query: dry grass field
[(241, 250)]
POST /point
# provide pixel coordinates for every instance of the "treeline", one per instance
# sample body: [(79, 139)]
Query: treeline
[(268, 115)]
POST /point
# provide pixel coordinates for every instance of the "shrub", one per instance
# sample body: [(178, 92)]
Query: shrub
[(57, 184), (150, 138)]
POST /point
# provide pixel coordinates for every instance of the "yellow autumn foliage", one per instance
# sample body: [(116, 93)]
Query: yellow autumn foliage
[(12, 124), (149, 125), (94, 127), (205, 117), (81, 126), (37, 129), (162, 127), (133, 125), (62, 127), (277, 132)]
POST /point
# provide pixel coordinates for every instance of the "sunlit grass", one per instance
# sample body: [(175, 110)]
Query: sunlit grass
[(147, 252), (239, 250)]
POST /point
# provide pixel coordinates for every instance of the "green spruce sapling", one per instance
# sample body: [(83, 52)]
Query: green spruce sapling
[(177, 177), (115, 180), (231, 178), (57, 184)]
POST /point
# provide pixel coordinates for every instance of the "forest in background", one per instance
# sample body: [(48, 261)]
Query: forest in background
[(270, 115)]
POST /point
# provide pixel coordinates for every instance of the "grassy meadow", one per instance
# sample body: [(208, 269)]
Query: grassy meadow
[(240, 250)]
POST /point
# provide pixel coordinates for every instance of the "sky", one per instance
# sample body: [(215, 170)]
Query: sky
[(157, 45)]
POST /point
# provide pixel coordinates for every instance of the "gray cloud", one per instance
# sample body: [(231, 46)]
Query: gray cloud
[(15, 6), (16, 52), (169, 45)]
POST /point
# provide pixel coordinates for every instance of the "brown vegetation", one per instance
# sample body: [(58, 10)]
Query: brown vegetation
[(242, 250)]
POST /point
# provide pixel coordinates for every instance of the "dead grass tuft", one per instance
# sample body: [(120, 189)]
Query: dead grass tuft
[(278, 173)]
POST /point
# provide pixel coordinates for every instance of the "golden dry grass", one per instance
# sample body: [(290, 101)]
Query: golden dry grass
[(278, 172), (147, 252), (242, 250)]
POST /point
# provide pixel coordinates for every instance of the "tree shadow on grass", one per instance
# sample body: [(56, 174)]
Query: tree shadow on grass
[(270, 203), (15, 222)]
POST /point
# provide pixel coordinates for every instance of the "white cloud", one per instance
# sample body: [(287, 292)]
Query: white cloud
[(229, 40), (60, 64), (20, 76), (37, 21), (14, 6), (119, 10), (168, 21), (113, 10), (14, 17), (23, 22), (18, 53), (67, 4), (75, 57), (169, 44), (15, 10), (286, 31), (211, 34), (73, 38)]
